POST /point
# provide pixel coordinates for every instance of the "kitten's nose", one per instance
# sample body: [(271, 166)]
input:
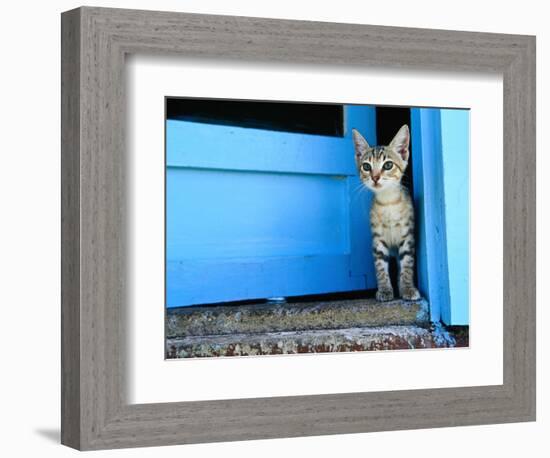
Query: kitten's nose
[(375, 178)]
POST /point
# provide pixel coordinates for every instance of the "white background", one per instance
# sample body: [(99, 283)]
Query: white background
[(481, 364), (29, 233)]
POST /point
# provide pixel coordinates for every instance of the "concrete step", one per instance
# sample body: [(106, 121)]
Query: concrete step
[(311, 341), (268, 318)]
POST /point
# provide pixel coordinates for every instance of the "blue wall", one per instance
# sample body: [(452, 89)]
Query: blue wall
[(455, 146)]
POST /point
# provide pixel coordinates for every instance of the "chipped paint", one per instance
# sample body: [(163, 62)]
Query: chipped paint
[(441, 336)]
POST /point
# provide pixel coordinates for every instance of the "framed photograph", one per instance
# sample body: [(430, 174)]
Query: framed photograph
[(277, 228), (287, 244)]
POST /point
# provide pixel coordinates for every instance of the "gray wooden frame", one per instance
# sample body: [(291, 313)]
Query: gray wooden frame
[(95, 413)]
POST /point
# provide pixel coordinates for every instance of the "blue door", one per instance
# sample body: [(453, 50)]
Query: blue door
[(252, 213)]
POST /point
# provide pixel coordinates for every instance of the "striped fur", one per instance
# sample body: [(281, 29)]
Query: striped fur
[(392, 213)]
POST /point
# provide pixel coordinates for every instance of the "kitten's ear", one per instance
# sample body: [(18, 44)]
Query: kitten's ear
[(361, 145), (400, 142)]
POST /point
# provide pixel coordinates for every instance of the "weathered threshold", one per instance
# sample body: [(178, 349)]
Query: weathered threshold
[(308, 341), (258, 318), (292, 328)]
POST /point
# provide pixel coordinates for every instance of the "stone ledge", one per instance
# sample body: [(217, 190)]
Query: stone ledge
[(316, 341), (261, 318)]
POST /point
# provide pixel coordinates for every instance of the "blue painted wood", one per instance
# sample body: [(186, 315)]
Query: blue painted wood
[(429, 197), (217, 214), (455, 138), (255, 214), (210, 146), (440, 140), (420, 217), (200, 281)]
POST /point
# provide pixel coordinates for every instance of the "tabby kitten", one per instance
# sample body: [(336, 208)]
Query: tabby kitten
[(392, 213)]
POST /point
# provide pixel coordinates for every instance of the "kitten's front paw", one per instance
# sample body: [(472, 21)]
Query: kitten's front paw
[(384, 295), (410, 293)]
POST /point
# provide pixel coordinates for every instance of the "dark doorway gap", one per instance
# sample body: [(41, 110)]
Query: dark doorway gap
[(306, 118)]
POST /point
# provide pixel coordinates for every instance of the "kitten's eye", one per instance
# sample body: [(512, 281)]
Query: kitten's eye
[(366, 167), (387, 165)]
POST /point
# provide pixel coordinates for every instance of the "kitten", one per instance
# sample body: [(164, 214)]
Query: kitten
[(392, 213)]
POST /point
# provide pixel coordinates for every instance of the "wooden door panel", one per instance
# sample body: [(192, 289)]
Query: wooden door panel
[(254, 213)]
